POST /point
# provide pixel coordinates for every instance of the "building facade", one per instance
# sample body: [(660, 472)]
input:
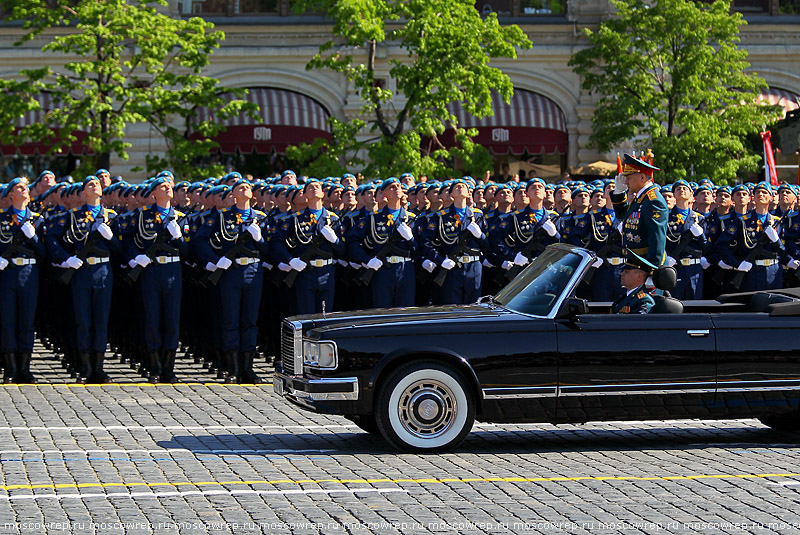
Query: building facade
[(547, 124)]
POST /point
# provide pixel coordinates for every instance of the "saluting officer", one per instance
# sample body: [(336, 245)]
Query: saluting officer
[(82, 240), (752, 244), (394, 282), (453, 239), (231, 239), (686, 244), (19, 281), (641, 207), (315, 232), (152, 239)]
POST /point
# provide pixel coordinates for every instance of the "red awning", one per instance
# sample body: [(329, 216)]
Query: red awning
[(286, 118), (778, 97), (41, 147), (529, 123)]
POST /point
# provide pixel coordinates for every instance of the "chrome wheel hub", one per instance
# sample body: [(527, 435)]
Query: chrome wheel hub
[(427, 409)]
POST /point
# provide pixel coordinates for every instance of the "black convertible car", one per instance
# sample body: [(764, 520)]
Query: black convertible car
[(420, 377)]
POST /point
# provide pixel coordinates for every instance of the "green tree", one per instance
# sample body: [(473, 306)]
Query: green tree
[(669, 75), (134, 65), (448, 48)]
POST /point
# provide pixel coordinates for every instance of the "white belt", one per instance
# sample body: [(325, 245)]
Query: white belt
[(167, 259), (319, 262), (94, 260), (615, 261), (396, 259), (22, 261), (766, 262), (468, 259), (689, 261), (244, 261)]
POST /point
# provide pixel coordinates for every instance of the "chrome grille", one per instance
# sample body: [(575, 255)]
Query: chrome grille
[(287, 348)]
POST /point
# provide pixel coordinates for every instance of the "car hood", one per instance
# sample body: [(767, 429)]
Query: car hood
[(386, 317)]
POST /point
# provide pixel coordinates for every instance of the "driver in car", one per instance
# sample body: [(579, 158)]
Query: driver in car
[(634, 274)]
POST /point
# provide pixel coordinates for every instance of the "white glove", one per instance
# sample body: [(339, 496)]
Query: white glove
[(428, 266), (142, 259), (3, 264), (448, 264), (487, 264), (474, 229), (550, 228), (671, 261), (620, 185), (704, 263), (597, 263), (132, 263), (374, 263), (507, 265), (328, 233), (284, 267), (341, 262), (618, 226), (405, 231), (772, 234), (793, 264), (521, 259), (74, 262), (696, 230), (745, 266), (723, 265), (174, 229), (210, 266), (297, 264), (255, 231), (267, 265), (105, 231), (355, 265), (224, 262), (28, 230)]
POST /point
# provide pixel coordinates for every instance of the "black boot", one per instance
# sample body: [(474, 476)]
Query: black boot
[(9, 368), (24, 374), (220, 364), (98, 374), (247, 373), (232, 366), (153, 366), (84, 370), (168, 367)]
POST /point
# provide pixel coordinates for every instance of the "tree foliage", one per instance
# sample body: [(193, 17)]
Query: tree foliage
[(123, 62), (447, 48), (670, 76)]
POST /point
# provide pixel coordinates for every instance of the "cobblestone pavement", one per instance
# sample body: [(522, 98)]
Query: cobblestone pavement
[(203, 457)]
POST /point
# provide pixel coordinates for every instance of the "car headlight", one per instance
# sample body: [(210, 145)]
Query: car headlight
[(320, 355)]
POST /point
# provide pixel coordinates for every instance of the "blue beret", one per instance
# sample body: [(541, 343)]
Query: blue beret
[(87, 180), (388, 182), (701, 187), (288, 172), (724, 189), (683, 183), (99, 171), (785, 187), (535, 180), (763, 185), (740, 187), (580, 189)]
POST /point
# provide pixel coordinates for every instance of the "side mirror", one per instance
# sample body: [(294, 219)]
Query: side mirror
[(575, 307)]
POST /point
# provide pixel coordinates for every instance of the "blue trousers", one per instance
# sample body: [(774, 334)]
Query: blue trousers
[(763, 278), (19, 289), (462, 285), (240, 298), (161, 287), (393, 285), (312, 287), (91, 303), (690, 282)]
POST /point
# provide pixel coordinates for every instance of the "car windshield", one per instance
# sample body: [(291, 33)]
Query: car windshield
[(537, 288)]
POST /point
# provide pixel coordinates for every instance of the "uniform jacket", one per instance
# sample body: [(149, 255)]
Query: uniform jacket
[(638, 302), (68, 233), (440, 235), (740, 238), (644, 223), (368, 235), (221, 230), (10, 228), (295, 233)]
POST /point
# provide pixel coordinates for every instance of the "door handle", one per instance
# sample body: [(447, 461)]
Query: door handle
[(698, 333)]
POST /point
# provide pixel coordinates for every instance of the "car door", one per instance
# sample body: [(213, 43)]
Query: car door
[(758, 362), (636, 366)]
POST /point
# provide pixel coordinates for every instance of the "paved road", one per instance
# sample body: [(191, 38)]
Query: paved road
[(203, 457)]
